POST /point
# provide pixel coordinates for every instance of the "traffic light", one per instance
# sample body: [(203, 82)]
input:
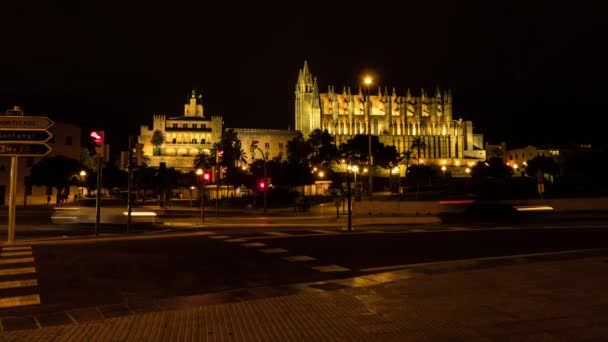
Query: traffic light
[(206, 176), (139, 154), (98, 138), (262, 185)]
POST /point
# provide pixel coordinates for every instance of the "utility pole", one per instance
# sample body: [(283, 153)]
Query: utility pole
[(350, 213)]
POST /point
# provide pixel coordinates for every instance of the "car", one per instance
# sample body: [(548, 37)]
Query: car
[(112, 211)]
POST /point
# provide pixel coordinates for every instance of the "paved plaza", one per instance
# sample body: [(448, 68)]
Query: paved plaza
[(552, 297)]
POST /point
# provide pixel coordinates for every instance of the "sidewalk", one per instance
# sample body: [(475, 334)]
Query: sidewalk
[(557, 297)]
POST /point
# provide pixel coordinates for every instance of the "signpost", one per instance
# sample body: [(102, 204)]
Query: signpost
[(21, 136), (25, 136)]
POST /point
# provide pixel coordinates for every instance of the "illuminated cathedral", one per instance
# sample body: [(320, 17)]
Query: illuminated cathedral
[(396, 119)]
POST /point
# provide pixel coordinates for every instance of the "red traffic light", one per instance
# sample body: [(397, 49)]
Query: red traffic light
[(206, 176), (97, 137), (262, 185)]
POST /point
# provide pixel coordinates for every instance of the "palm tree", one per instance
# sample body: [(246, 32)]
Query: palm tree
[(201, 160), (407, 155), (158, 138), (418, 144)]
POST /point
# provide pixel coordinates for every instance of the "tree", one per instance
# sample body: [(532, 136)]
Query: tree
[(158, 138), (201, 160), (407, 155), (418, 144), (298, 150), (55, 172), (493, 168), (324, 151), (543, 164), (356, 150)]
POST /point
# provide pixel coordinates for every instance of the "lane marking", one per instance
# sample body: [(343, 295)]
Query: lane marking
[(16, 260), (417, 230), (236, 240), (277, 233), (331, 268), (253, 244), (15, 254), (273, 250), (219, 237), (19, 301), (20, 248), (13, 271), (18, 283), (298, 258)]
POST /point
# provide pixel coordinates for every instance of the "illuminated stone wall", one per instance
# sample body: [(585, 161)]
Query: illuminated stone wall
[(396, 119)]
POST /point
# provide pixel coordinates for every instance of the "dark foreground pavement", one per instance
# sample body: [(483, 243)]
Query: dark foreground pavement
[(554, 297)]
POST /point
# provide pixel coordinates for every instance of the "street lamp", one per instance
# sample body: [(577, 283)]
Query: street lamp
[(255, 147), (200, 173), (368, 81), (443, 168)]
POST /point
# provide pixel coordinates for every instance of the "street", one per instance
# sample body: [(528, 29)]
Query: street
[(117, 269)]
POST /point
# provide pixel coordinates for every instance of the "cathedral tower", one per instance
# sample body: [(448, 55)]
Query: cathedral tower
[(308, 106)]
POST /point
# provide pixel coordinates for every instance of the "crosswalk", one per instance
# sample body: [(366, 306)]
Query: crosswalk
[(18, 280)]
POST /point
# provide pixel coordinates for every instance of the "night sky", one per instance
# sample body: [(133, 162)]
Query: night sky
[(528, 72)]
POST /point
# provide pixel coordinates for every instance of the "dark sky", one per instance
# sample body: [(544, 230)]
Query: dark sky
[(524, 72)]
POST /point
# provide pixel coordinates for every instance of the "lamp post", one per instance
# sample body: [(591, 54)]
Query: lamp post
[(264, 156), (82, 174), (200, 172), (368, 81)]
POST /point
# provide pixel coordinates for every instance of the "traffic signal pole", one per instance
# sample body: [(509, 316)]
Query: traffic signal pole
[(98, 196), (130, 184)]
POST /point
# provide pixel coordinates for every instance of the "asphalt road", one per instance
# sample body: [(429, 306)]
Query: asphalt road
[(110, 272)]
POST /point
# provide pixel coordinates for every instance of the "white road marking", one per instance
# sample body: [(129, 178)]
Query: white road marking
[(323, 231), (20, 248), (18, 283), (19, 301), (15, 261), (274, 250), (330, 268), (13, 271), (7, 254), (253, 244), (219, 237), (299, 258), (277, 233)]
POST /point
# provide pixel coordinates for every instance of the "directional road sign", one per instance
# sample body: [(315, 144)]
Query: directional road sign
[(24, 149), (24, 136), (24, 122)]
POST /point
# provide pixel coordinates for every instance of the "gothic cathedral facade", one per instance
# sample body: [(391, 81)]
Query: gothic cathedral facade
[(396, 119)]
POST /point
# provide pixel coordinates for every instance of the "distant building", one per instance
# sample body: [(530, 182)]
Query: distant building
[(496, 150)]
